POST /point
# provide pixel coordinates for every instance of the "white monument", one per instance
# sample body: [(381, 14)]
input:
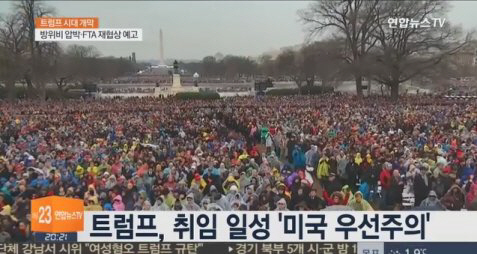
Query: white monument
[(161, 49)]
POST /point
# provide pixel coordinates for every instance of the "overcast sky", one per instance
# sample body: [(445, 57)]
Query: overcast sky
[(196, 29)]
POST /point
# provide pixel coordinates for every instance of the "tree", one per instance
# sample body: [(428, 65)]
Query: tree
[(439, 77), (81, 63), (39, 63), (267, 65), (61, 70), (322, 59), (82, 51), (230, 66), (192, 67), (404, 53), (219, 56), (455, 66), (52, 56), (352, 20), (310, 58), (236, 66), (209, 65), (12, 50), (107, 68), (36, 74), (290, 63)]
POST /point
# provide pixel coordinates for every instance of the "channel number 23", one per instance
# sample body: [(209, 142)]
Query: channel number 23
[(45, 214)]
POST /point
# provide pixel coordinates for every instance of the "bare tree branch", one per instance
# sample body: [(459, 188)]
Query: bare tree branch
[(404, 53), (354, 20)]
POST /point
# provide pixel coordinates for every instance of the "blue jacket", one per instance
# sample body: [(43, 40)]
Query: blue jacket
[(364, 188), (298, 158), (466, 172), (215, 172), (39, 183), (59, 164)]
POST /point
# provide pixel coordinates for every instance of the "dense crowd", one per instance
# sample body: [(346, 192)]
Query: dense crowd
[(128, 90), (332, 152)]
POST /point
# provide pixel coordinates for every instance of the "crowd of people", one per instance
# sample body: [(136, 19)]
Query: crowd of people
[(329, 152)]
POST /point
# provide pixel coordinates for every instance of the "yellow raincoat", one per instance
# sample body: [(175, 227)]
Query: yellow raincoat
[(323, 168), (93, 207), (426, 149), (170, 200), (79, 171), (230, 179), (368, 159), (276, 174), (202, 184), (95, 170), (361, 206), (243, 156), (358, 160)]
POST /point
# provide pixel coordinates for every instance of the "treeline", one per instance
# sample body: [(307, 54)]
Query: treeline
[(390, 42), (320, 61), (357, 42), (387, 42), (37, 65)]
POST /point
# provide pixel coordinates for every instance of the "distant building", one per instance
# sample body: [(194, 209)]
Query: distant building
[(133, 57)]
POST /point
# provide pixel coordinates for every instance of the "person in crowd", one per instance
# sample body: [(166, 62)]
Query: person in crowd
[(312, 157), (386, 181), (331, 186), (394, 196), (298, 196), (190, 204), (218, 198), (159, 205), (359, 203), (432, 202), (282, 205), (118, 204), (471, 194), (454, 199), (314, 202)]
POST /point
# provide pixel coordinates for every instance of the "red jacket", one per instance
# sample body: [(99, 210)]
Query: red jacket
[(385, 178)]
